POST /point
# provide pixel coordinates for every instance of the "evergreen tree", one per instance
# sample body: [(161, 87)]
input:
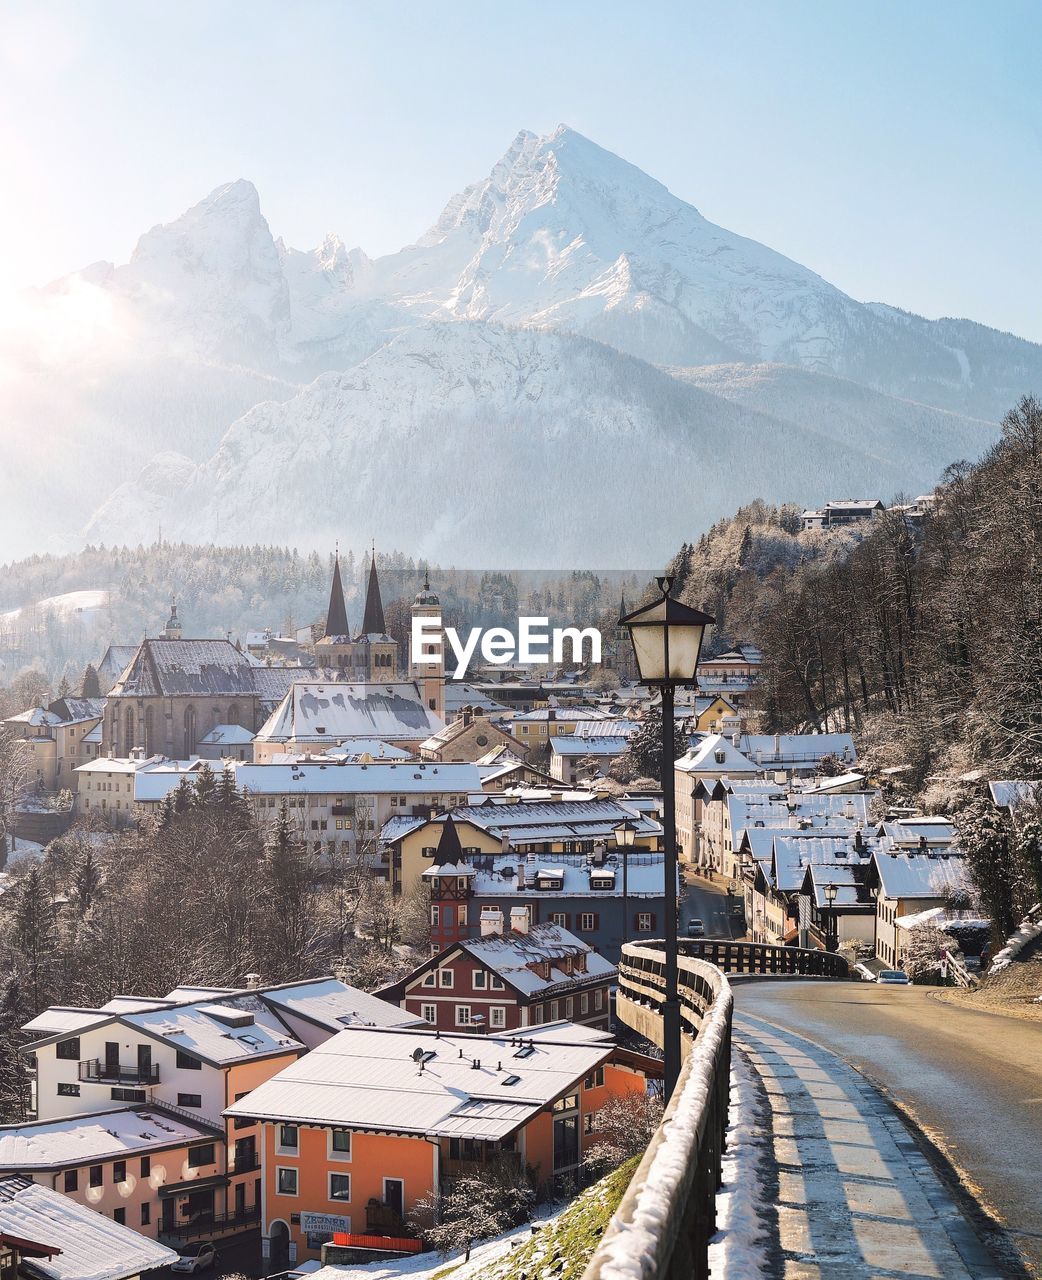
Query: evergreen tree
[(14, 1075), (34, 937), (184, 795), (646, 747), (64, 688), (985, 836), (86, 881), (205, 788), (91, 686)]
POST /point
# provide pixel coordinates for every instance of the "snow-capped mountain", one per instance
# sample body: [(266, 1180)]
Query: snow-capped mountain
[(134, 373), (519, 443)]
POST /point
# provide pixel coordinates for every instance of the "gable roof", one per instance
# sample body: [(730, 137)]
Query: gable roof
[(512, 954), (93, 1247), (101, 1135), (369, 1079), (186, 668), (336, 613), (373, 616), (322, 711), (713, 753)]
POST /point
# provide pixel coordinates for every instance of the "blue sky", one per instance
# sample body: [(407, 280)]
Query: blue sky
[(892, 147)]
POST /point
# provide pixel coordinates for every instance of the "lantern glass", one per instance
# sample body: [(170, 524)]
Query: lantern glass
[(625, 833), (667, 638)]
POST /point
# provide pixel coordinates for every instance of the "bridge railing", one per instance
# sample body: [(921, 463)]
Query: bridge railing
[(765, 958), (662, 1228)]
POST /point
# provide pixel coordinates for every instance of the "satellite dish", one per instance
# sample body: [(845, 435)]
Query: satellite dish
[(417, 1055)]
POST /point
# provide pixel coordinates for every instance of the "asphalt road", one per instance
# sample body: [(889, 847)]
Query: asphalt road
[(699, 901), (972, 1080)]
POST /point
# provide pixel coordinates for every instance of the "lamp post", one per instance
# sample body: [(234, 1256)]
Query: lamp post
[(625, 833), (832, 937), (667, 640)]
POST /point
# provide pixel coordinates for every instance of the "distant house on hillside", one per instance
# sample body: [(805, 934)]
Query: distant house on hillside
[(842, 512)]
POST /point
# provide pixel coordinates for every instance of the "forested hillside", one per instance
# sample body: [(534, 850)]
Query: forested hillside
[(925, 641)]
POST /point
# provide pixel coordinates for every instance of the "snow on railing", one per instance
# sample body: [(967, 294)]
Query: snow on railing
[(1029, 930), (662, 1227)]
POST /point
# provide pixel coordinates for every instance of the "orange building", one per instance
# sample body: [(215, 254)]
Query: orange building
[(374, 1120)]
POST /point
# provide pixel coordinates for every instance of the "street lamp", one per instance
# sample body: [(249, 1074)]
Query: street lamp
[(667, 640), (833, 934), (625, 834)]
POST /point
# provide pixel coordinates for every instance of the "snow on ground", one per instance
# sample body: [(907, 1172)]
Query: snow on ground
[(1029, 930), (739, 1246), (425, 1266), (70, 602)]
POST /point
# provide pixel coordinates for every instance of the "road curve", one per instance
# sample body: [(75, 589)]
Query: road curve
[(972, 1080)]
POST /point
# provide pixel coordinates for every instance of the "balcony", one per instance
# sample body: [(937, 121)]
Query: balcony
[(95, 1071), (248, 1163), (210, 1224)]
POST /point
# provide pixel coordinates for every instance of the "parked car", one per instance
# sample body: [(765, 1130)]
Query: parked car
[(893, 977), (197, 1257), (696, 929)]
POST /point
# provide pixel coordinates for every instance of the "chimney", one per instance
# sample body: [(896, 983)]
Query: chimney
[(859, 844), (520, 873), (518, 919), (491, 922), (468, 715), (504, 844), (478, 712), (252, 981), (922, 843), (551, 714), (780, 777)]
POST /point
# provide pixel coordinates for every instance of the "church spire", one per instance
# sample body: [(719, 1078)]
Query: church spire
[(373, 618), (336, 614)]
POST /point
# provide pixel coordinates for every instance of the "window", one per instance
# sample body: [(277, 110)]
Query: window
[(146, 1166), (243, 1122), (340, 1186), (435, 911), (198, 1156), (587, 922), (146, 1214), (186, 1062), (286, 1181), (555, 1010), (96, 1172), (429, 979), (569, 1007), (446, 977), (189, 1099), (120, 1216), (497, 1016), (584, 1003), (289, 1139), (568, 1103), (535, 1015), (559, 917), (119, 1171), (429, 1013), (72, 1179), (479, 979), (645, 921), (595, 1079), (588, 1123), (340, 1144), (463, 1015), (496, 983), (68, 1090), (68, 1049), (131, 1096), (598, 998)]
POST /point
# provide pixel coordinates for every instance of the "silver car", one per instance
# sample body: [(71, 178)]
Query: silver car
[(893, 977)]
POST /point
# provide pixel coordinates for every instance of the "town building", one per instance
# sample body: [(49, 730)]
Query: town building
[(842, 513), (372, 1122), (569, 754), (513, 975), (56, 737), (469, 737), (536, 728), (155, 1073), (317, 715), (372, 655), (905, 882)]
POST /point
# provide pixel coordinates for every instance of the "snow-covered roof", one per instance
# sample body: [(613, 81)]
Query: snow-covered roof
[(227, 735), (508, 875), (375, 747), (180, 668), (349, 777), (323, 712), (94, 735), (913, 831), (848, 880), (330, 1003), (369, 1079), (36, 718), (840, 782), (526, 822), (566, 715), (75, 710), (201, 1029), (93, 1246), (58, 1020), (102, 1135), (713, 753), (459, 695), (574, 745), (512, 955), (791, 857), (907, 874)]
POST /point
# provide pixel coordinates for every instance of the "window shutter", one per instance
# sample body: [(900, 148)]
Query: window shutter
[(653, 920), (596, 920)]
